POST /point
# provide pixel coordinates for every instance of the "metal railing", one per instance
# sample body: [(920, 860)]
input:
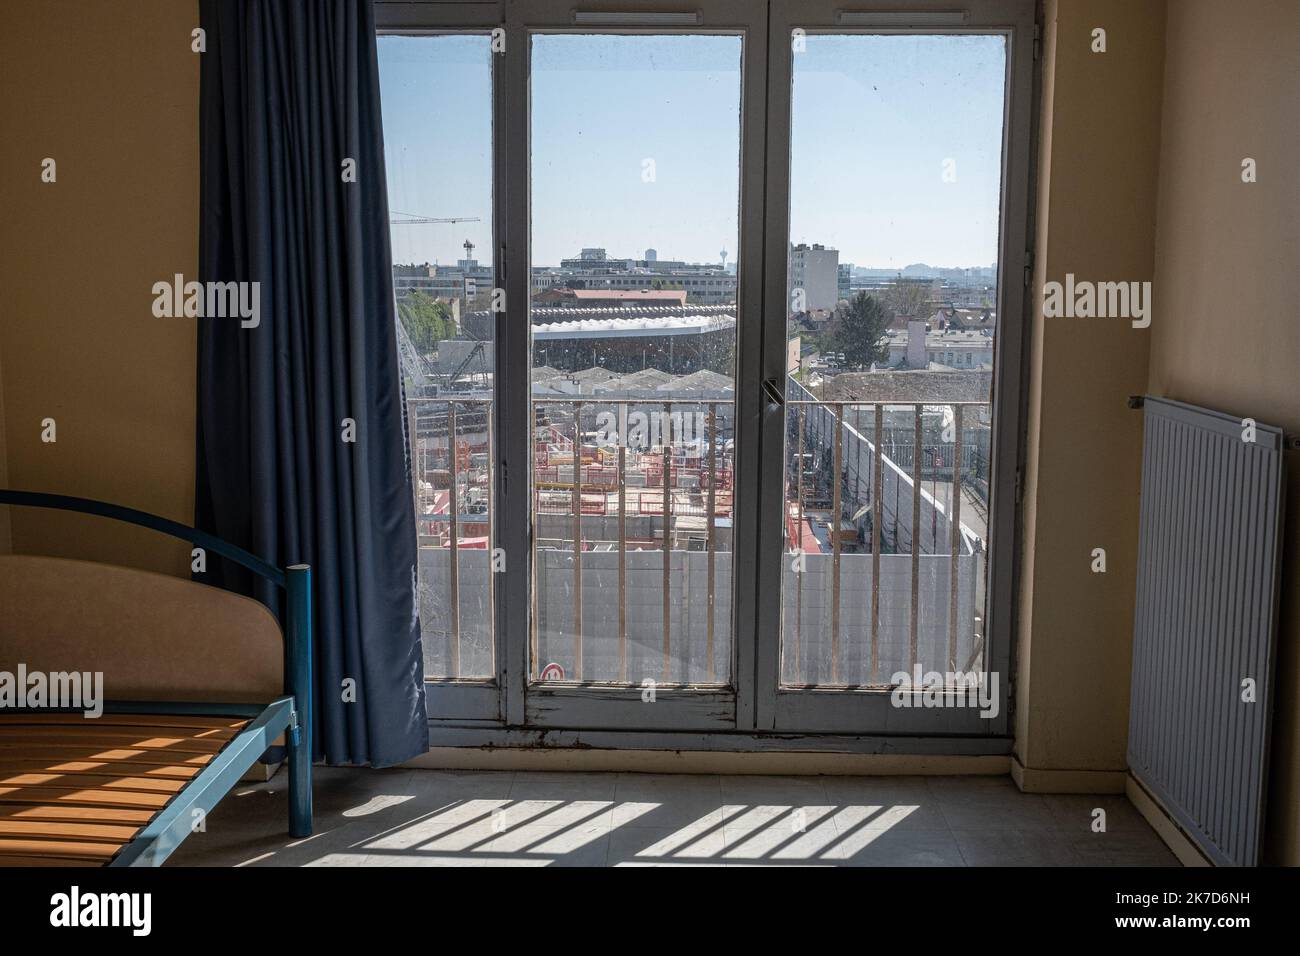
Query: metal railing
[(606, 482), (452, 480), (860, 466), (661, 469)]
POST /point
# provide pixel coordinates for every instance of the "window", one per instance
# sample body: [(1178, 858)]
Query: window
[(680, 303), (634, 450), (437, 109)]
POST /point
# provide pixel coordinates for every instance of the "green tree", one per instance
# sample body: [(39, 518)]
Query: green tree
[(908, 297), (425, 320), (859, 330)]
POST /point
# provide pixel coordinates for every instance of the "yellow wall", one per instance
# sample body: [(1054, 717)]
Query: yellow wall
[(1228, 275), (1169, 111), (6, 544), (110, 92), (1099, 152)]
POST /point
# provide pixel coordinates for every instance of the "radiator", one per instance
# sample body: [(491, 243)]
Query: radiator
[(1205, 622)]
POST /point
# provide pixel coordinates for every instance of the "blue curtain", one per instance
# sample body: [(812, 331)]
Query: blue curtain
[(289, 105)]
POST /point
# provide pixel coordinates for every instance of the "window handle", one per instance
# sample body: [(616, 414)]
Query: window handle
[(774, 394)]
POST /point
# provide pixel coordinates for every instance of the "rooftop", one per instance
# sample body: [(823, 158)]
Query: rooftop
[(908, 387), (629, 327)]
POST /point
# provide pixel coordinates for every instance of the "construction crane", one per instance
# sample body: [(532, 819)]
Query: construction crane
[(414, 220), (412, 363), (476, 352)]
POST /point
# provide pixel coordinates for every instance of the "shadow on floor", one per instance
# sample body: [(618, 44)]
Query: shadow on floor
[(437, 818)]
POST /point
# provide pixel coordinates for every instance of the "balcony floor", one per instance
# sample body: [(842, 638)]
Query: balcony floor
[(444, 818)]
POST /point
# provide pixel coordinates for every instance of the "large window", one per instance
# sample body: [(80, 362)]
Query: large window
[(892, 320), (711, 327), (437, 109), (635, 192)]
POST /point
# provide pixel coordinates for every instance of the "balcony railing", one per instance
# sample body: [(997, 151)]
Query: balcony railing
[(891, 514), (451, 459), (632, 496), (651, 476)]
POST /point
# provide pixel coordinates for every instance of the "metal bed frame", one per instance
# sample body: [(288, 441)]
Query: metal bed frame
[(290, 715)]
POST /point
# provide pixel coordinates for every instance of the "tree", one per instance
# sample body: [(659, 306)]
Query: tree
[(425, 320), (908, 297), (859, 330)]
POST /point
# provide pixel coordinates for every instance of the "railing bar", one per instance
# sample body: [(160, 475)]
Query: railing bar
[(955, 521), (492, 534), (892, 403), (576, 475), (535, 501), (798, 547), (668, 520), (836, 474), (877, 516), (899, 403), (711, 542), (595, 399), (622, 556), (454, 524), (916, 536), (413, 428)]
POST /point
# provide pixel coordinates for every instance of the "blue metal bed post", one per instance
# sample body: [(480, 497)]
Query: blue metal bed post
[(299, 676)]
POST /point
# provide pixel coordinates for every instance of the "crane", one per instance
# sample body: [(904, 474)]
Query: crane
[(475, 352), (414, 220), (412, 363)]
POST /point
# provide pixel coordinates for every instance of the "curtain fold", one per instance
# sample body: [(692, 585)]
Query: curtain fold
[(302, 452)]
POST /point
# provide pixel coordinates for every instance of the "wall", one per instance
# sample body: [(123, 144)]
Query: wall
[(1228, 276), (1099, 149), (6, 544), (110, 92)]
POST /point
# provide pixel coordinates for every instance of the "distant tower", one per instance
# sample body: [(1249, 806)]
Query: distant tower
[(652, 255), (723, 253), (469, 251)]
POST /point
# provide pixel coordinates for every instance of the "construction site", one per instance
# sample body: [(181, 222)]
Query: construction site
[(632, 509)]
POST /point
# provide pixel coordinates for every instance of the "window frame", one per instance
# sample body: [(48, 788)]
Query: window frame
[(556, 705), (833, 710), (471, 700), (755, 714)]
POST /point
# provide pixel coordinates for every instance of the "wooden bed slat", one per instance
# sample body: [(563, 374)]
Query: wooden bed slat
[(92, 796), (129, 720), (64, 830), (162, 739), (98, 768), (60, 754), (19, 859), (73, 791), (113, 782), (44, 811), (58, 848)]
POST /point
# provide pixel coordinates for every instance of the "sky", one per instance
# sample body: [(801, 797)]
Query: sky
[(895, 156)]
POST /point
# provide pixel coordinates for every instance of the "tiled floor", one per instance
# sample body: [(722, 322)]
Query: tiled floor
[(433, 818)]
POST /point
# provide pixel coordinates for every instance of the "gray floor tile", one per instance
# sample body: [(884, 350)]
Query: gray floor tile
[(1005, 847), (459, 818)]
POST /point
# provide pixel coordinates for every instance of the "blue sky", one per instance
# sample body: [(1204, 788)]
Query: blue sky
[(875, 118)]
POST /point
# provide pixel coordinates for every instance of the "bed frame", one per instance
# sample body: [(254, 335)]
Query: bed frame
[(223, 737)]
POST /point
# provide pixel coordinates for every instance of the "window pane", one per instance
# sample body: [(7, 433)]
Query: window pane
[(635, 186), (896, 164), (437, 112)]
